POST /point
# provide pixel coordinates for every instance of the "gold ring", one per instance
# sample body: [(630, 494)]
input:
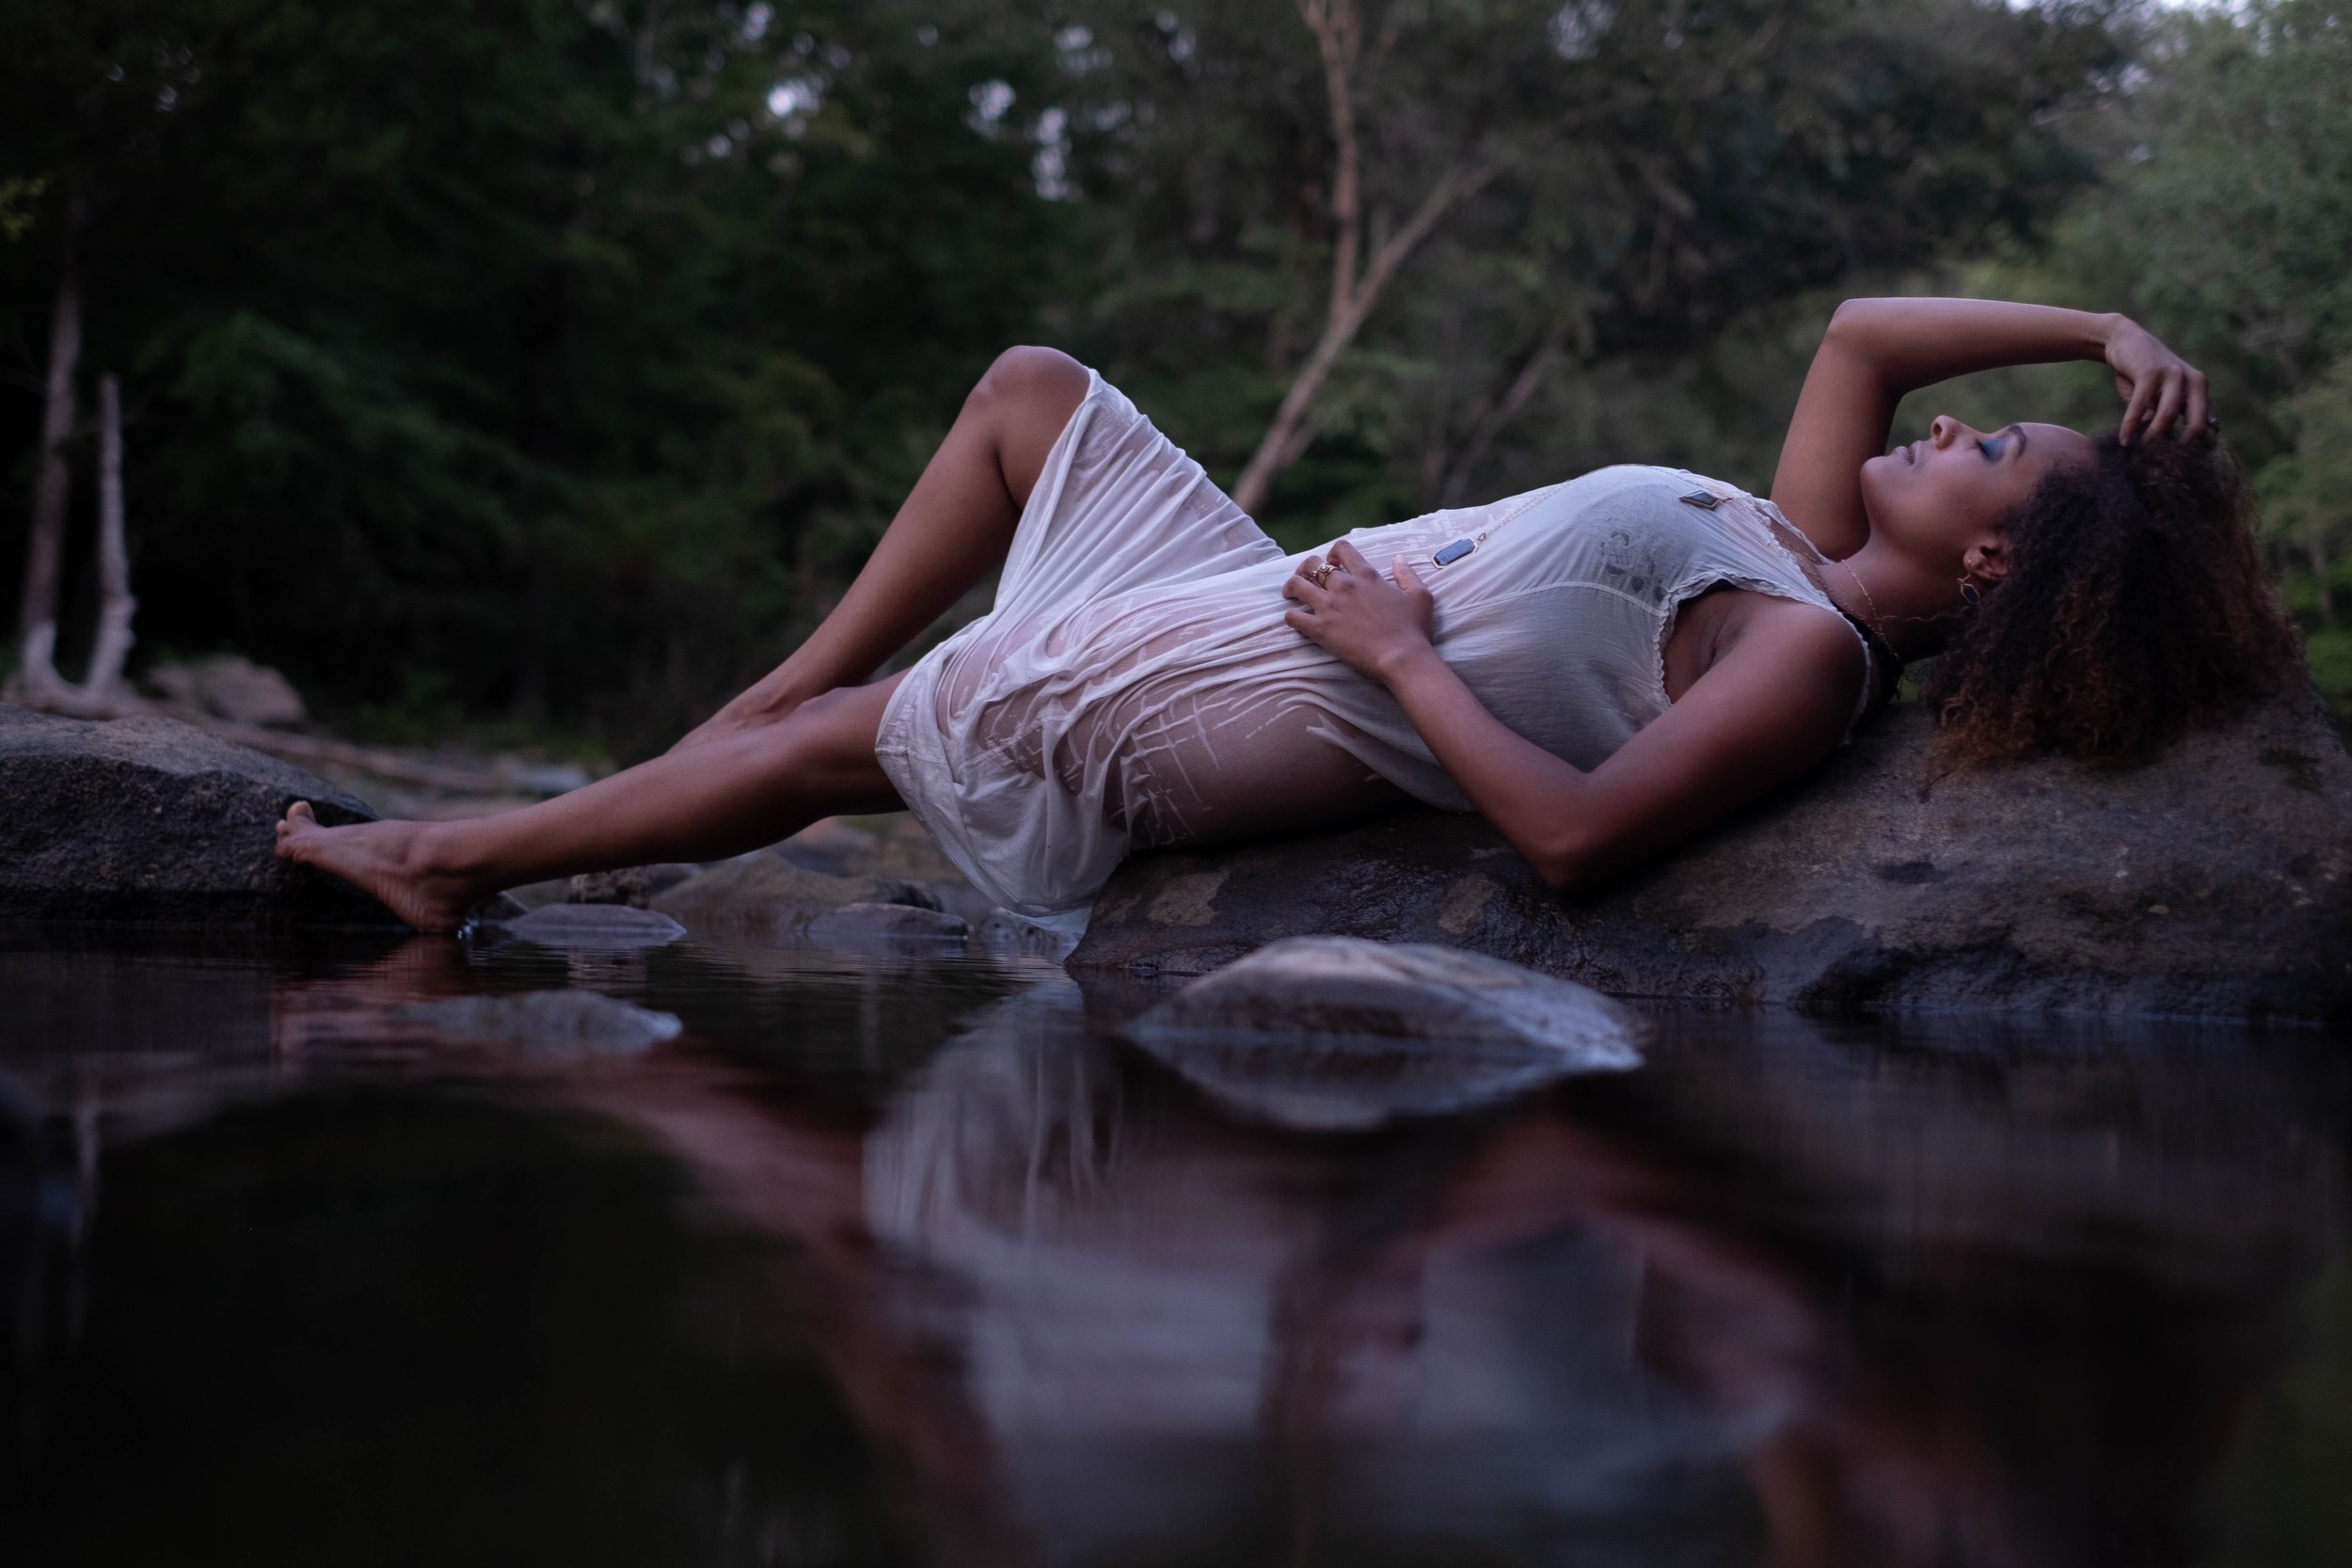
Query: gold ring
[(1322, 574)]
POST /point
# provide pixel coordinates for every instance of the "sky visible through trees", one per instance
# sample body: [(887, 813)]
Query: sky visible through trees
[(563, 357)]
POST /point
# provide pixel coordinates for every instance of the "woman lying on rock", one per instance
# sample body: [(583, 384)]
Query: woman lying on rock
[(1602, 669)]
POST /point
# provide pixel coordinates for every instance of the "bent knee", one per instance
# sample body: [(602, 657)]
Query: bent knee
[(1022, 402), (1031, 376)]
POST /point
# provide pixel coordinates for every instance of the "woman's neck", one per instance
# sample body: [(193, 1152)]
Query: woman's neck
[(1910, 607)]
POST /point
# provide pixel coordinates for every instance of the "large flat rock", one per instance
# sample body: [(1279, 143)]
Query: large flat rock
[(152, 819), (2215, 881)]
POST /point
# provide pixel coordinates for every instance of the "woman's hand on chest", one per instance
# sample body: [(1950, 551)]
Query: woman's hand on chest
[(1372, 623)]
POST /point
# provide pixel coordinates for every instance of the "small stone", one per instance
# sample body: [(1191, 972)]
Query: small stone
[(553, 1022), (635, 885), (1335, 1034), (1002, 929), (234, 688)]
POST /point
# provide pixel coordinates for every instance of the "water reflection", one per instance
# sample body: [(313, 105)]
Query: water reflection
[(901, 1260)]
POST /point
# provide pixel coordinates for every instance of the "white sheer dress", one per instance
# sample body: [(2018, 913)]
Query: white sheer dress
[(1135, 684)]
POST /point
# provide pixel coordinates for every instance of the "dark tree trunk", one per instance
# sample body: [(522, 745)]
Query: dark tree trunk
[(44, 550)]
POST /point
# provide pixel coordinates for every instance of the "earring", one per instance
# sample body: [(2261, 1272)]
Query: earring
[(1968, 590)]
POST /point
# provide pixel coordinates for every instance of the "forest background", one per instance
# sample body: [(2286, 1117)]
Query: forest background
[(548, 366)]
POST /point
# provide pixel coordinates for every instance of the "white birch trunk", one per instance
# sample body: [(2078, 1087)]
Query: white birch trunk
[(114, 603)]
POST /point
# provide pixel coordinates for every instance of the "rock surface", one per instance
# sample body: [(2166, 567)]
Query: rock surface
[(2216, 881), (764, 893), (153, 819), (1340, 1034)]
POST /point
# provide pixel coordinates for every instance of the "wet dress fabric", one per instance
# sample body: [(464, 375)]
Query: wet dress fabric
[(1135, 683)]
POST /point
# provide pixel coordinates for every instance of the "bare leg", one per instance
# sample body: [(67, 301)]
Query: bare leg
[(729, 795), (955, 527)]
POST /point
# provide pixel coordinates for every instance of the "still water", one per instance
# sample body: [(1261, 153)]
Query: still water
[(901, 1259)]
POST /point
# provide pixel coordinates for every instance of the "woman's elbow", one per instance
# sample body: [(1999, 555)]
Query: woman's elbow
[(1569, 866), (1852, 317)]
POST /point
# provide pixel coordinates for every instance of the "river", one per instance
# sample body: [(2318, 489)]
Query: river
[(890, 1256)]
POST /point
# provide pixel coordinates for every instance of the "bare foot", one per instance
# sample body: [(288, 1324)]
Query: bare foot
[(389, 860)]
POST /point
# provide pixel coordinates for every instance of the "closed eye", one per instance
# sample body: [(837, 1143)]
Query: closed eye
[(1991, 445)]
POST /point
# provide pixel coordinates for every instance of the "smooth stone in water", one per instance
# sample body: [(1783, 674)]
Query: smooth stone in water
[(594, 926), (1335, 1034), (152, 819), (546, 1021), (2216, 881)]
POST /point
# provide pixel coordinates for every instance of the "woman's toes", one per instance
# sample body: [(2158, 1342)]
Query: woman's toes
[(297, 821)]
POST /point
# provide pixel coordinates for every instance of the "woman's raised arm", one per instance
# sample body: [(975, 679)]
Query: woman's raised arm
[(1876, 350)]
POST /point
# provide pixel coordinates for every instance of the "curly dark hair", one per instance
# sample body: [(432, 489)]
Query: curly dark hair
[(2135, 607)]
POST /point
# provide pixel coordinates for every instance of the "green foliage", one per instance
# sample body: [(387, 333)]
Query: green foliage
[(536, 354), (563, 357), (1669, 169), (2223, 223)]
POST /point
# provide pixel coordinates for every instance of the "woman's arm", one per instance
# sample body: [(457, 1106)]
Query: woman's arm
[(1876, 350), (1774, 704)]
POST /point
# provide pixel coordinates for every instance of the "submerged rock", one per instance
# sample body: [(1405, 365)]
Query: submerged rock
[(2216, 881), (560, 1022), (856, 924), (153, 819), (594, 925), (1338, 1033), (766, 895)]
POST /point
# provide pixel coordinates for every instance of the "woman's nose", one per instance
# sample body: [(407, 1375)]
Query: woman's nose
[(1943, 430)]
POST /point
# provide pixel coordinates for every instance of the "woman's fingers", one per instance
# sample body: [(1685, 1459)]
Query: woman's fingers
[(1302, 582), (2143, 397), (2168, 404), (2201, 419), (1351, 558)]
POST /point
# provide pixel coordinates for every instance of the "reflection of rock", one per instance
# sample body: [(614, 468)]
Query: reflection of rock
[(1182, 1334), (2216, 881), (559, 1021), (2002, 1292), (594, 926), (151, 819), (763, 894), (1337, 1033), (232, 686)]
